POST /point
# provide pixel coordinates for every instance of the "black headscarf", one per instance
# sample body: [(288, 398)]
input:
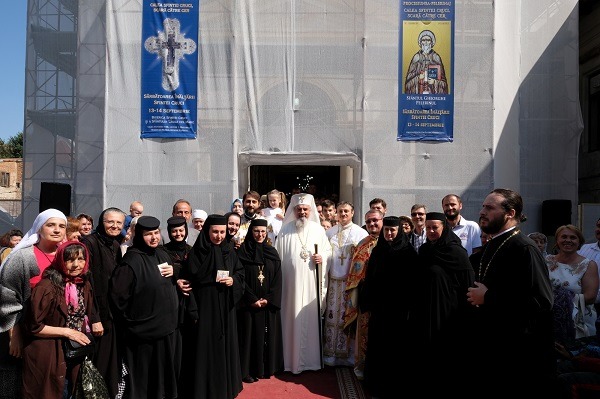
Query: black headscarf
[(208, 255), (390, 263), (399, 242), (105, 238), (252, 252), (228, 236), (174, 245), (447, 251), (144, 223)]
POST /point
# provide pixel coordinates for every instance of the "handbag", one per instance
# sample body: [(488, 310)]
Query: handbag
[(581, 329), (74, 350), (90, 384)]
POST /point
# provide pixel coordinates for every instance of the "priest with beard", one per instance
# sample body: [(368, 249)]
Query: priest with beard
[(304, 250), (512, 347)]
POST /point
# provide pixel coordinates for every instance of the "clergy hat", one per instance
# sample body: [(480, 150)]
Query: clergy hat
[(199, 214), (435, 216), (215, 220), (258, 222), (176, 221), (393, 221), (147, 223), (302, 199)]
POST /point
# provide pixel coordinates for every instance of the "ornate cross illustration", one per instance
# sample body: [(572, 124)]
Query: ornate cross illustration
[(171, 46)]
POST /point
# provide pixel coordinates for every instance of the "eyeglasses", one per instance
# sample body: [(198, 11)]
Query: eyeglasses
[(113, 223), (372, 220), (417, 214)]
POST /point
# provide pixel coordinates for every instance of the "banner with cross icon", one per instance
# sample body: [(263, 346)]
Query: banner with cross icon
[(170, 69)]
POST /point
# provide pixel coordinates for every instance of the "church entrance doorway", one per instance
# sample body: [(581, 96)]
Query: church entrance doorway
[(335, 176), (321, 181)]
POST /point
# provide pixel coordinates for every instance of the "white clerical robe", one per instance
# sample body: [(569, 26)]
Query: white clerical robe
[(300, 318), (338, 347), (343, 240)]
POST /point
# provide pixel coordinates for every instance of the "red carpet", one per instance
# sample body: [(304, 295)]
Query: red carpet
[(331, 383)]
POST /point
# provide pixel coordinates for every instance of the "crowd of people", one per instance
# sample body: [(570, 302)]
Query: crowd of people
[(210, 302)]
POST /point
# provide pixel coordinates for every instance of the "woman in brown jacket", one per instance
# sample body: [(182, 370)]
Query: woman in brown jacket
[(61, 308)]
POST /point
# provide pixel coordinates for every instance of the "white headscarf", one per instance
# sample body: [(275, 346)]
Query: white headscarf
[(199, 214), (301, 199), (32, 237)]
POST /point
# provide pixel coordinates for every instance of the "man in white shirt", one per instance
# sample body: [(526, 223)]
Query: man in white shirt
[(467, 230), (592, 251)]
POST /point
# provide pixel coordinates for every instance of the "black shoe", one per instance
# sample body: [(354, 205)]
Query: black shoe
[(255, 379), (248, 379)]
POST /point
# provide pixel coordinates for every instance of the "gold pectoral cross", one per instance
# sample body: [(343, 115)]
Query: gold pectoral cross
[(342, 258), (261, 277)]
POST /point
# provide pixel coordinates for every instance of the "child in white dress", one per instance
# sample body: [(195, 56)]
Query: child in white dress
[(274, 213)]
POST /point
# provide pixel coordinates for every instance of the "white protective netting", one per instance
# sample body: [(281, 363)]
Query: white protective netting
[(516, 123)]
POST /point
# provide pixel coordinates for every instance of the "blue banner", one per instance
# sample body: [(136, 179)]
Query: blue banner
[(426, 71), (170, 69)]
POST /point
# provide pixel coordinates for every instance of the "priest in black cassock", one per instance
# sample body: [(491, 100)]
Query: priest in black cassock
[(145, 306), (512, 348), (259, 320), (216, 276)]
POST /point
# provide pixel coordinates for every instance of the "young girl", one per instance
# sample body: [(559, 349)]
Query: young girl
[(64, 309), (274, 213)]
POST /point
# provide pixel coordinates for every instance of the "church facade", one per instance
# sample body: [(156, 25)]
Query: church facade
[(296, 85)]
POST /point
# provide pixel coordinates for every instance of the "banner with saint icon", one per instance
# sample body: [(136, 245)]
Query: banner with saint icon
[(169, 69), (426, 68)]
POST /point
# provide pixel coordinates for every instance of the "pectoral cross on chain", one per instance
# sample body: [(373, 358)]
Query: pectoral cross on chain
[(342, 258), (261, 277)]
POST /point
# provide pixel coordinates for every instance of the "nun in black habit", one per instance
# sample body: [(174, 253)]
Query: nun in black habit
[(217, 279), (441, 317), (144, 298), (388, 294), (259, 320), (179, 250)]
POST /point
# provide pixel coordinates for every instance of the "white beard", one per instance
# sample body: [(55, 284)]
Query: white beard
[(426, 48), (301, 223)]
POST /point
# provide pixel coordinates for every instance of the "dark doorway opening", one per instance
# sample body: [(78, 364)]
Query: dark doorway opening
[(286, 178)]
